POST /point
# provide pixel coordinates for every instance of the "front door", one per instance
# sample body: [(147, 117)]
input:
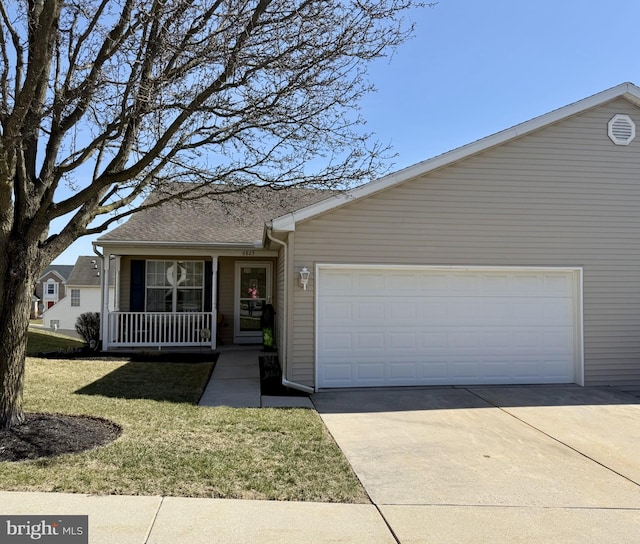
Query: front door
[(253, 291)]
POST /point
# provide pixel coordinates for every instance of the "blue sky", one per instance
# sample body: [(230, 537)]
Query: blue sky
[(477, 67)]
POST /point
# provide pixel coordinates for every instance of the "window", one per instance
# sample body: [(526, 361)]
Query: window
[(75, 297), (52, 288), (175, 286)]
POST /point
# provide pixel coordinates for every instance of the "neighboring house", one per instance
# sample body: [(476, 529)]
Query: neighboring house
[(51, 285), (512, 260), (83, 294)]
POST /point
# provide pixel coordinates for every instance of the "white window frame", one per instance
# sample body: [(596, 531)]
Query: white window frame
[(54, 284), (175, 288), (75, 298)]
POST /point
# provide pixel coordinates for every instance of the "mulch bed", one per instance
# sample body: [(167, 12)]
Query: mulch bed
[(48, 435), (136, 356), (271, 379)]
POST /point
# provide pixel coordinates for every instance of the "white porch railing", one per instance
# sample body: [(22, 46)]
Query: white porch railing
[(137, 329)]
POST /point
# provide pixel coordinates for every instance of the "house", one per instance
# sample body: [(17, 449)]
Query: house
[(51, 285), (512, 260), (180, 265), (83, 294)]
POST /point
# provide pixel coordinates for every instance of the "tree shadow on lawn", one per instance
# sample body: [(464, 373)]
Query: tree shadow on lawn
[(160, 381)]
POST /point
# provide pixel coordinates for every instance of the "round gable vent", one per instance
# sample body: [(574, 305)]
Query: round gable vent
[(622, 130)]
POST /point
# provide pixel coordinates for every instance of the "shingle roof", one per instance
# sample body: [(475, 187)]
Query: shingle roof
[(61, 269), (85, 272), (221, 219)]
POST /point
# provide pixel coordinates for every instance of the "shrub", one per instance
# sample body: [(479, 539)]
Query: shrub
[(88, 327)]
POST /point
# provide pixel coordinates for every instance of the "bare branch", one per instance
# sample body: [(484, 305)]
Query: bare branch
[(143, 92)]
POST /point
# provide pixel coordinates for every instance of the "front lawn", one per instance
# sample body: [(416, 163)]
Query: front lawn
[(41, 341), (169, 446)]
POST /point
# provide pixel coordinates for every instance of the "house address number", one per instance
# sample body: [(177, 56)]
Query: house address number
[(248, 253)]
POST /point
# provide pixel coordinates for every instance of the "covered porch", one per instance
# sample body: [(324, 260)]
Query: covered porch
[(163, 299)]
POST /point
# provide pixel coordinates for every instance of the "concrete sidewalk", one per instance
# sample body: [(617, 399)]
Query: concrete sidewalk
[(170, 520)]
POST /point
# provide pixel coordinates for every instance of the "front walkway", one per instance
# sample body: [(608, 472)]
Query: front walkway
[(235, 383)]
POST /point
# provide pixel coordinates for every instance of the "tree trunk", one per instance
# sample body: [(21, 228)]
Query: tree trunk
[(17, 283)]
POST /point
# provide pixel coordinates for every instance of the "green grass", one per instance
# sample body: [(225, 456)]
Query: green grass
[(169, 446), (40, 341)]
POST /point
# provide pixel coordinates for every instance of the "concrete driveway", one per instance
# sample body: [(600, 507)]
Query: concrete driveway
[(495, 464)]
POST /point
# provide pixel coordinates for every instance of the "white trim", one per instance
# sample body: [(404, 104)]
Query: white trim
[(104, 312), (316, 313), (626, 90), (577, 271), (214, 300), (248, 337), (154, 250), (580, 326), (175, 288), (56, 290), (62, 278), (203, 245), (208, 245), (488, 268), (77, 298)]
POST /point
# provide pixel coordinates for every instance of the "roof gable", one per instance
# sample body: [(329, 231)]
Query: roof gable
[(60, 271), (287, 222)]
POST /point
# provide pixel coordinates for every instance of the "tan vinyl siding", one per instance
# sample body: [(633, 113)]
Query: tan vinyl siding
[(226, 294), (125, 283), (564, 196)]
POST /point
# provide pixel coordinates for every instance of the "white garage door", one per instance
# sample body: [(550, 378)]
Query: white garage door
[(382, 326)]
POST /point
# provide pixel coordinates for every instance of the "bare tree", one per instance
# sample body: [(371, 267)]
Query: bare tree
[(103, 100)]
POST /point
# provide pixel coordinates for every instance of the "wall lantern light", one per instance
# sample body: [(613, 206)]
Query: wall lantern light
[(304, 277)]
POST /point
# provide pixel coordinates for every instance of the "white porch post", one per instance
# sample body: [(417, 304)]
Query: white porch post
[(104, 314), (214, 302)]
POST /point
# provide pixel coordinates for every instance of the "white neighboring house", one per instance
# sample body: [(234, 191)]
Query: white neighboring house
[(82, 295), (51, 286)]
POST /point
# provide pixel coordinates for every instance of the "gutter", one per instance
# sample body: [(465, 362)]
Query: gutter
[(149, 243), (103, 318), (285, 382)]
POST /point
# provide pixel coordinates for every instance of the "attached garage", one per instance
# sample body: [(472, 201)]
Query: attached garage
[(511, 260), (403, 325)]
